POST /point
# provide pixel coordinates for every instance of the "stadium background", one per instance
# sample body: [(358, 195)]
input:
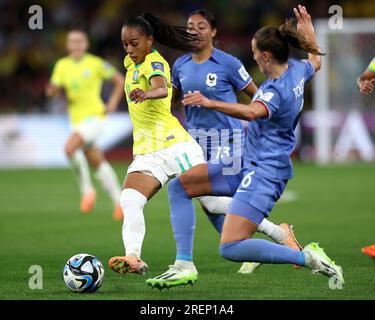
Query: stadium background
[(335, 201)]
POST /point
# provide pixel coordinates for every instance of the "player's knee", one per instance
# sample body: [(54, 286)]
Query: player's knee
[(69, 150), (94, 160), (187, 183), (227, 250)]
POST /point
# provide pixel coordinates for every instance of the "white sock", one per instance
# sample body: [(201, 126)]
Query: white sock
[(218, 205), (272, 230), (309, 260), (133, 228), (107, 177), (184, 264), (78, 163)]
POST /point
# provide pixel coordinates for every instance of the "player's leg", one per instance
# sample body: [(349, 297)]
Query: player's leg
[(252, 202), (81, 170), (228, 157), (200, 180), (217, 207), (107, 177), (236, 246), (193, 182), (138, 189)]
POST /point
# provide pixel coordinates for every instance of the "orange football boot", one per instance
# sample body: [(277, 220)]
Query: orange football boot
[(128, 264), (117, 213), (370, 251), (290, 240), (88, 201)]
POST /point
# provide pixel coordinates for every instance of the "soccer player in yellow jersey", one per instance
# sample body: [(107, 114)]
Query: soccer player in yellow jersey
[(366, 80), (81, 74), (365, 84), (162, 148)]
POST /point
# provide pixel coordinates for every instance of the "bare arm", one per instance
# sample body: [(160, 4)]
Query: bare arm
[(306, 27), (366, 82), (158, 90), (249, 112), (117, 92), (176, 96), (250, 89)]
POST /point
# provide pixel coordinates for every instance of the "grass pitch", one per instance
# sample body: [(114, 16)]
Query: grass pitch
[(40, 224)]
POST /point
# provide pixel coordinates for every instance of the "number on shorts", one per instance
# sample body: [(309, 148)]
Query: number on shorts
[(186, 160), (247, 180)]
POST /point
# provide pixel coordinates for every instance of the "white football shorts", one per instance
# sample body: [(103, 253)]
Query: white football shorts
[(168, 163), (89, 129)]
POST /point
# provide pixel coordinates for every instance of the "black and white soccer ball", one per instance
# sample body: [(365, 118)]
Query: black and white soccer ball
[(83, 273)]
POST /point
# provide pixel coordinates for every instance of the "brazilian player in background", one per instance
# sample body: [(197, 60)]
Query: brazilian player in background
[(80, 75), (365, 84)]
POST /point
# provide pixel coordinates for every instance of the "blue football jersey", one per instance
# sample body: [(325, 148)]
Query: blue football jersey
[(218, 78), (270, 142)]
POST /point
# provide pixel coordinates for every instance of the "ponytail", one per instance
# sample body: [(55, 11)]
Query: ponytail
[(171, 36), (294, 38), (277, 41)]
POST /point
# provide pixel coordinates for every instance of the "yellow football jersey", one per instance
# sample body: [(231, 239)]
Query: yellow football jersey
[(154, 126), (372, 65), (82, 81)]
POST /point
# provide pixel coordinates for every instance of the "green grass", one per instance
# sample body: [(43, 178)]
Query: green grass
[(40, 225)]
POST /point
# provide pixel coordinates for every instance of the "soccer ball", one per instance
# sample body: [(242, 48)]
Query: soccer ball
[(83, 273)]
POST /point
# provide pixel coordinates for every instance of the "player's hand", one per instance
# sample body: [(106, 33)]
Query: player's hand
[(52, 90), (304, 24), (366, 86), (196, 99), (138, 95)]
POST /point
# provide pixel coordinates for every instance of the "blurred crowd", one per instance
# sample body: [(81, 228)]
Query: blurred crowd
[(27, 56)]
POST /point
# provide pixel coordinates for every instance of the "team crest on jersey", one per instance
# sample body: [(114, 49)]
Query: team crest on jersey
[(157, 66), (211, 80), (86, 73), (135, 75)]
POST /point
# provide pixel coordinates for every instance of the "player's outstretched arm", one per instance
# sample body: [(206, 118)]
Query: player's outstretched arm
[(306, 28), (237, 110)]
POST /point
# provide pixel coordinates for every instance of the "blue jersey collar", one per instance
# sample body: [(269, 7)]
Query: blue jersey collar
[(215, 57)]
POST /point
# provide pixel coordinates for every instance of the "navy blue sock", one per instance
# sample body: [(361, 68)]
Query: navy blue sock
[(217, 221), (182, 219), (259, 250)]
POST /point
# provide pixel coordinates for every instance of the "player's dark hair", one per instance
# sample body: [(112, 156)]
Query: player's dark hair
[(278, 41), (171, 36), (210, 18), (207, 15)]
